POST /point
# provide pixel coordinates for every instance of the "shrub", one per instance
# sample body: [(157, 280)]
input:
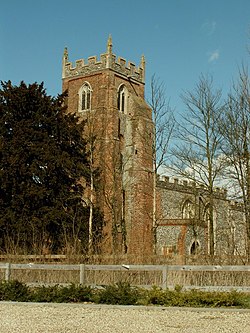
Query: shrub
[(121, 293), (75, 294), (60, 294), (14, 291), (45, 294), (155, 296), (196, 298)]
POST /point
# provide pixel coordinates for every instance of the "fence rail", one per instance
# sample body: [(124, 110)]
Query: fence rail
[(166, 276)]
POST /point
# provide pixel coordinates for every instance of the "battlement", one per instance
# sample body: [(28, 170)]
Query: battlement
[(107, 60), (188, 186)]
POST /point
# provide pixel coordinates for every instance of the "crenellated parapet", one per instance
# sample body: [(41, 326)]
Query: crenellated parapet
[(107, 60), (187, 186)]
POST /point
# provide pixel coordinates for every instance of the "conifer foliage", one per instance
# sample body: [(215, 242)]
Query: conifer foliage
[(43, 166)]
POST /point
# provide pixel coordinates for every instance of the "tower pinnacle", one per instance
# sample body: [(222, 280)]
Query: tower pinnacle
[(109, 45), (65, 54), (64, 61), (142, 65), (143, 62)]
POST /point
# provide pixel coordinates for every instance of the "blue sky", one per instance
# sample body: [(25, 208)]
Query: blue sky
[(180, 39)]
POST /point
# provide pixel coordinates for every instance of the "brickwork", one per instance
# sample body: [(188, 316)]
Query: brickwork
[(123, 151)]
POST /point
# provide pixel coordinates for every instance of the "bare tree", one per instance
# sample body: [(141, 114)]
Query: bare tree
[(92, 188), (235, 128), (112, 196), (164, 123), (90, 136), (197, 156)]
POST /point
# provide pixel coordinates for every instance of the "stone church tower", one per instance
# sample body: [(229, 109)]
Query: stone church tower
[(109, 94)]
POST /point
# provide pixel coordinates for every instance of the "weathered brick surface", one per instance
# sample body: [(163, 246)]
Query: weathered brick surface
[(123, 150)]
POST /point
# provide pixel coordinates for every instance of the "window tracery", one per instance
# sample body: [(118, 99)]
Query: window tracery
[(85, 93), (122, 99)]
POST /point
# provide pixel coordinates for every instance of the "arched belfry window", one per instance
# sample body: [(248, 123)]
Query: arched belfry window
[(85, 93), (122, 98)]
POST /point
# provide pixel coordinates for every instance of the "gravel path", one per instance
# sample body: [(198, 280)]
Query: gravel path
[(85, 318)]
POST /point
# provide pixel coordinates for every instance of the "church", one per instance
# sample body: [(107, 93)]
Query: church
[(108, 93)]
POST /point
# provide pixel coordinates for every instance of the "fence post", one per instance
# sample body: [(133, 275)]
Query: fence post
[(164, 277), (82, 273), (7, 272)]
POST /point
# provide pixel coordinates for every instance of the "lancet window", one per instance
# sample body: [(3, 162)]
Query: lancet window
[(122, 98), (85, 93)]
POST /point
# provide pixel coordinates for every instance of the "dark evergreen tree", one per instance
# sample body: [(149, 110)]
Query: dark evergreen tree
[(43, 172)]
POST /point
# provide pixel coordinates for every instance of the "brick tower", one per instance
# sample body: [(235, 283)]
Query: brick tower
[(109, 94)]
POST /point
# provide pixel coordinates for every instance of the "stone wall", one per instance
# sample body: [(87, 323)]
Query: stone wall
[(177, 234)]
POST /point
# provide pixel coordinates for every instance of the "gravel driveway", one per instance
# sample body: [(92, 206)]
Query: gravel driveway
[(46, 318)]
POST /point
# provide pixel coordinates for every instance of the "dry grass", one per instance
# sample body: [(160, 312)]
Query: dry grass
[(95, 277), (232, 279), (143, 278), (45, 276), (126, 259)]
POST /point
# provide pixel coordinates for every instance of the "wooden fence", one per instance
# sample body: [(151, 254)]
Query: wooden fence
[(164, 276)]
